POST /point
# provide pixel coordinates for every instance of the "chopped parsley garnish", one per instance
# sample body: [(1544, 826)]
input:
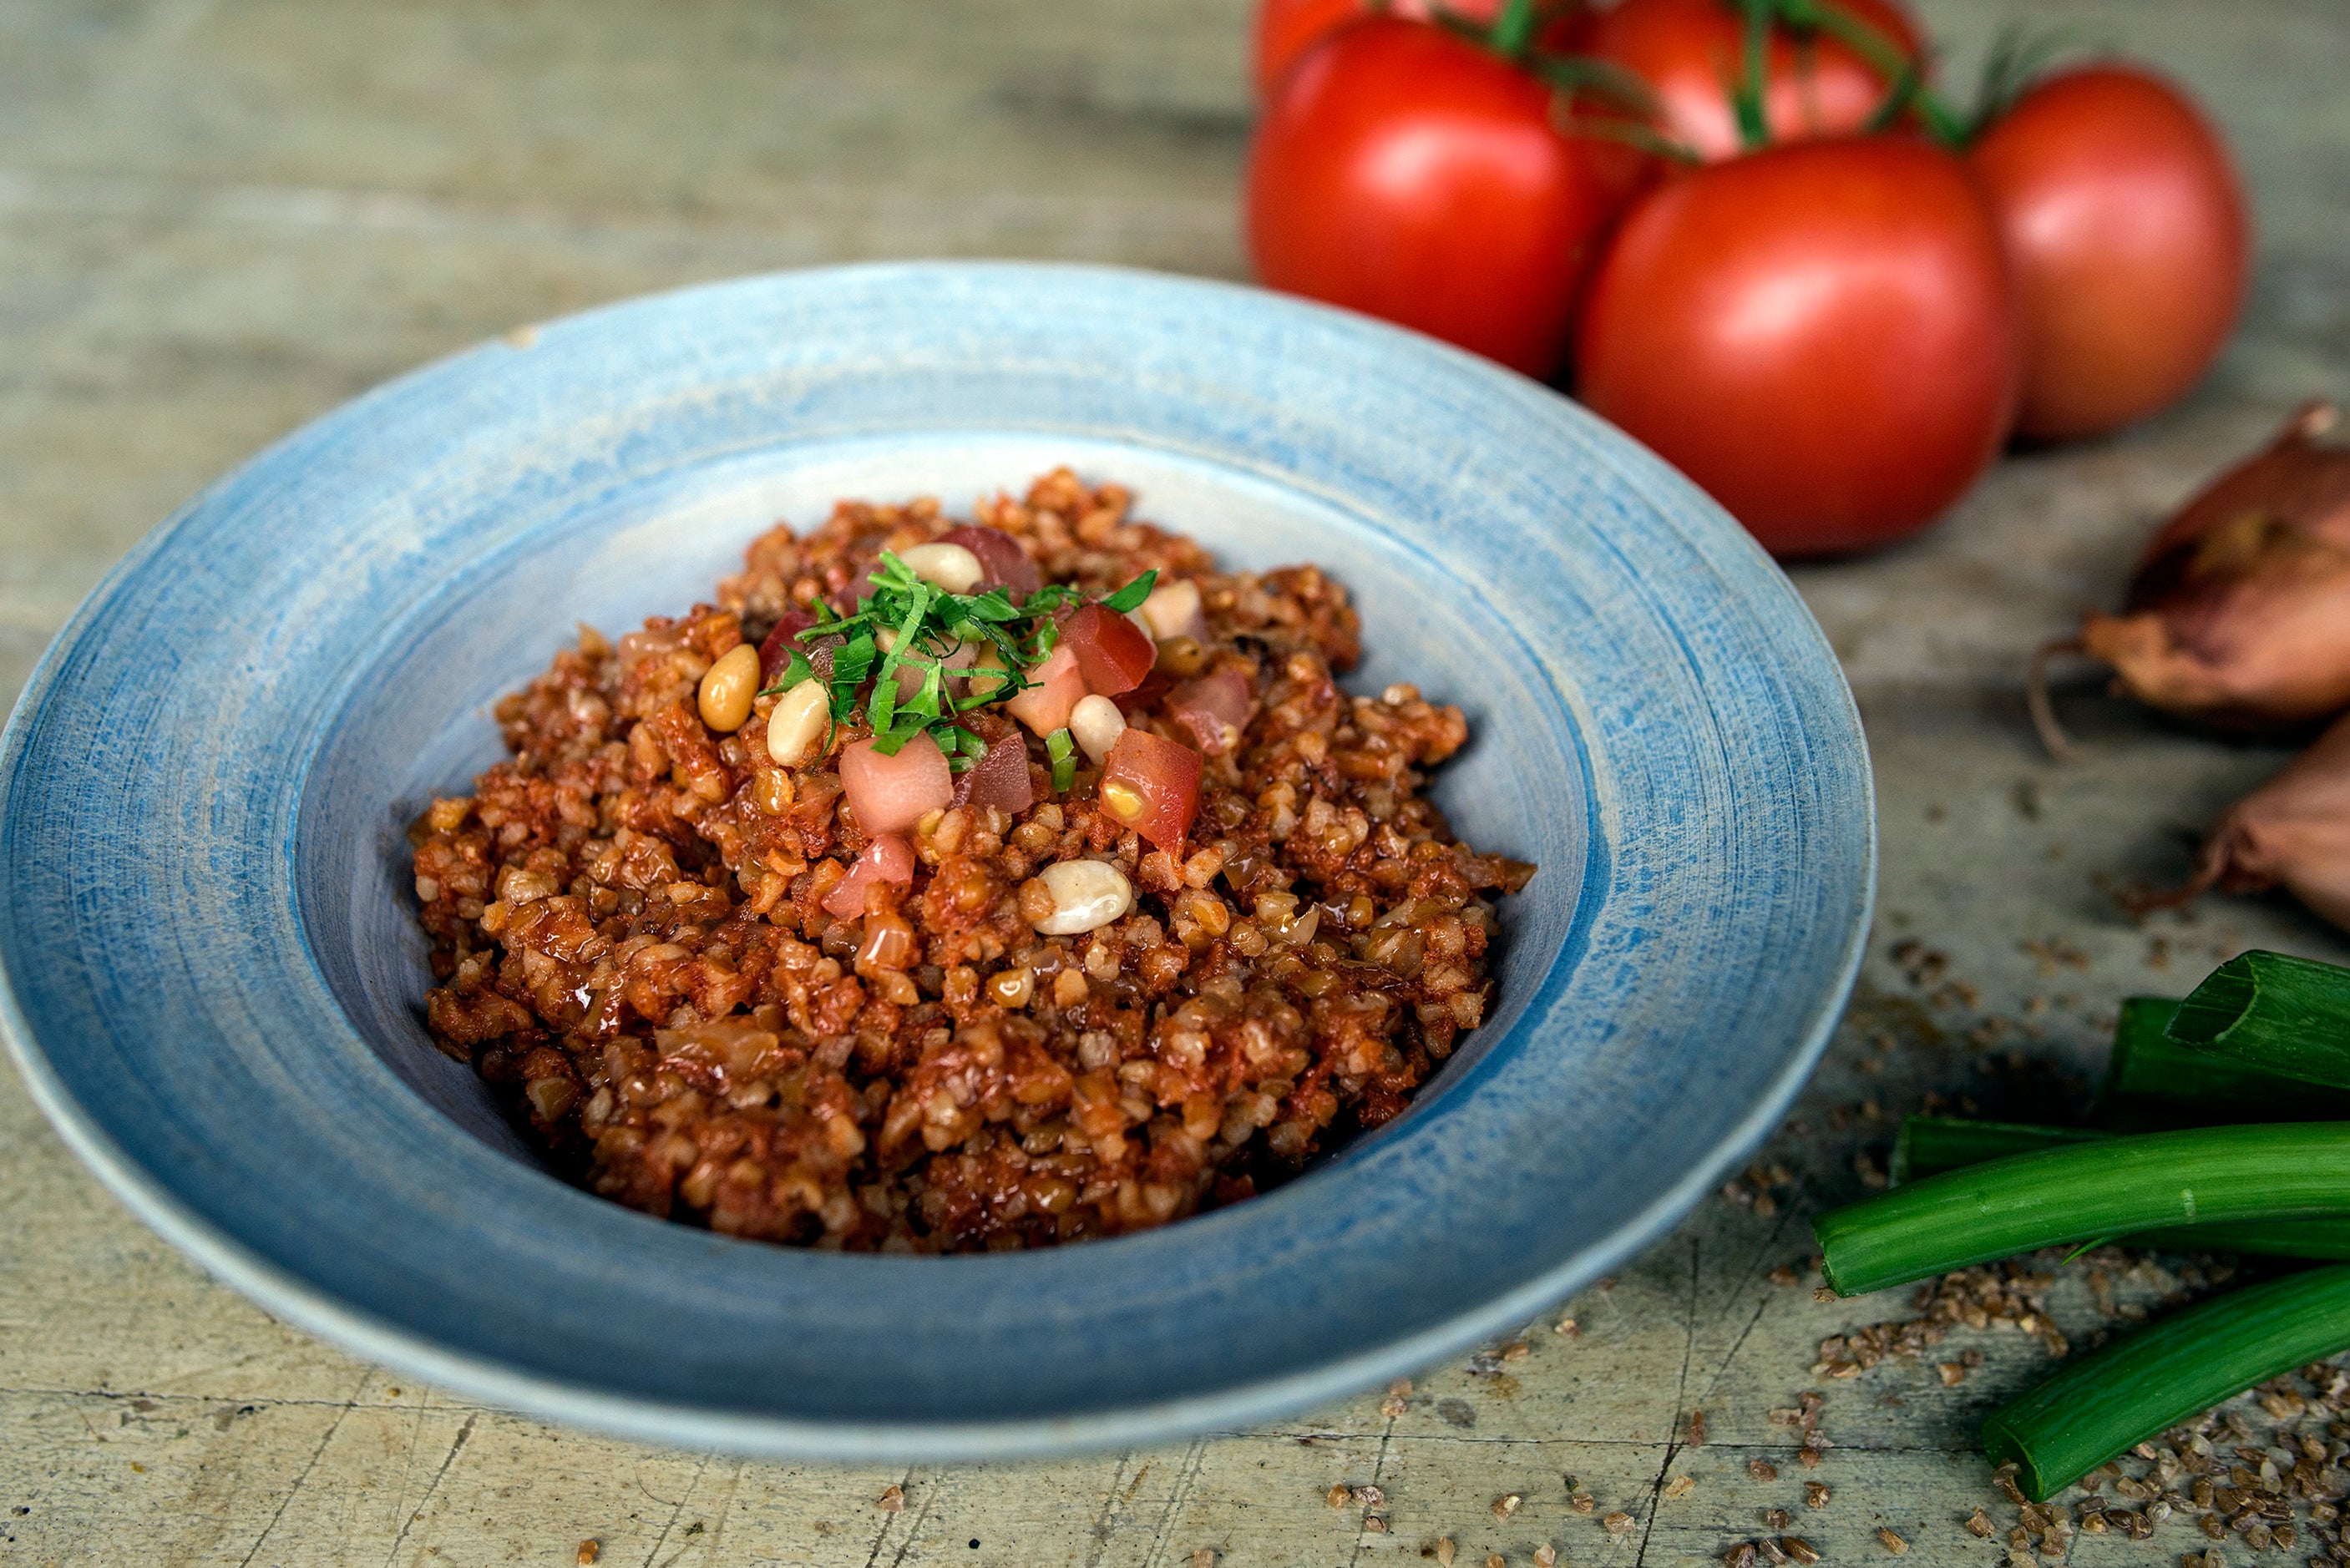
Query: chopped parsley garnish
[(906, 623)]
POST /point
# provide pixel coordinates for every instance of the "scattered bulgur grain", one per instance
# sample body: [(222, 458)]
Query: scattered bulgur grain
[(1777, 1518), (1506, 1504), (1494, 1560), (1784, 1277), (1816, 1494), (1204, 1558), (1338, 1495), (1370, 1496), (1822, 1294), (1773, 1553), (588, 1552), (1740, 1556), (1375, 1525), (1893, 1543), (1618, 1523), (891, 1499), (1517, 1350), (1680, 1486), (1978, 1523), (1545, 1556), (1952, 1373), (1808, 1456), (1582, 1502), (1445, 1552), (1762, 1469), (1570, 1328), (1799, 1549), (1697, 1428)]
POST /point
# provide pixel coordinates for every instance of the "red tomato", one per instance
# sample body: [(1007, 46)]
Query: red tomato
[(2126, 227), (1286, 29), (775, 652), (1112, 653), (1000, 780), (1007, 565), (1690, 51), (1823, 336), (1403, 172), (1151, 784), (1215, 708), (889, 859), (898, 791), (1056, 687)]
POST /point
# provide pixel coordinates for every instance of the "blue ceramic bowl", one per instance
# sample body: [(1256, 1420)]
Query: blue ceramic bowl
[(214, 985)]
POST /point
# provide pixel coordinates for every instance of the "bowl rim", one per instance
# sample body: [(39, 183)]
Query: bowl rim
[(498, 1383)]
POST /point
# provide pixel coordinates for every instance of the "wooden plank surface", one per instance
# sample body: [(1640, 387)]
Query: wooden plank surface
[(219, 217)]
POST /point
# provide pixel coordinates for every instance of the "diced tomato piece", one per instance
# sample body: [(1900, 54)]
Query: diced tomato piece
[(1145, 698), (1112, 653), (891, 793), (887, 858), (1006, 564), (1058, 687), (1000, 779), (775, 652), (1215, 708), (1151, 784)]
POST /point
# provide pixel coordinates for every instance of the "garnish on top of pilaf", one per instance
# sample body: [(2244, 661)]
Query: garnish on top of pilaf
[(957, 887)]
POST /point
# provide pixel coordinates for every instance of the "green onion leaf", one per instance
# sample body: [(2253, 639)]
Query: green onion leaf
[(2152, 1081), (2116, 1186), (1132, 595), (2126, 1392), (1929, 1146), (2288, 1015), (1061, 746)]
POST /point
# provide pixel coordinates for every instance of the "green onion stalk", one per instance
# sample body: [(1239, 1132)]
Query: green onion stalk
[(2129, 1391), (1928, 1145), (2086, 1192), (2290, 1016), (2152, 1081)]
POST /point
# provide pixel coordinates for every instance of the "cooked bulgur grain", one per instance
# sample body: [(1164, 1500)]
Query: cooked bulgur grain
[(632, 940)]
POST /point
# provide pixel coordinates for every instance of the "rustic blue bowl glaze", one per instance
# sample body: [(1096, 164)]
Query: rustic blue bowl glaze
[(213, 986)]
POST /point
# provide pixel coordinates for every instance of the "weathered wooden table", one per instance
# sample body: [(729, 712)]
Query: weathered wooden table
[(219, 217)]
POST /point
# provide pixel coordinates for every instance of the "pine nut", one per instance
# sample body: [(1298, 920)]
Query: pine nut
[(727, 687), (1172, 610), (1097, 723), (797, 723), (948, 566), (1087, 895)]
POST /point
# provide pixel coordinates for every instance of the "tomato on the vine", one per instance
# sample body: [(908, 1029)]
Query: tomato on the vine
[(1405, 172), (1692, 53), (1823, 336), (2126, 226), (1286, 29)]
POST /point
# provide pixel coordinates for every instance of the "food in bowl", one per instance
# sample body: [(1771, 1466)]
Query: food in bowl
[(953, 887)]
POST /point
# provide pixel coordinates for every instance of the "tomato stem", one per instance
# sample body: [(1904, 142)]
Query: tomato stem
[(1746, 96), (2016, 56), (1513, 30), (1905, 71)]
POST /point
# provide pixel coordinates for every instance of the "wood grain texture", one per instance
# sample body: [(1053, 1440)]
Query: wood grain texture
[(218, 219)]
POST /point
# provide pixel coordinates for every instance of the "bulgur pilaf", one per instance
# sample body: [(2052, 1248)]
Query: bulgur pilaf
[(917, 998)]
